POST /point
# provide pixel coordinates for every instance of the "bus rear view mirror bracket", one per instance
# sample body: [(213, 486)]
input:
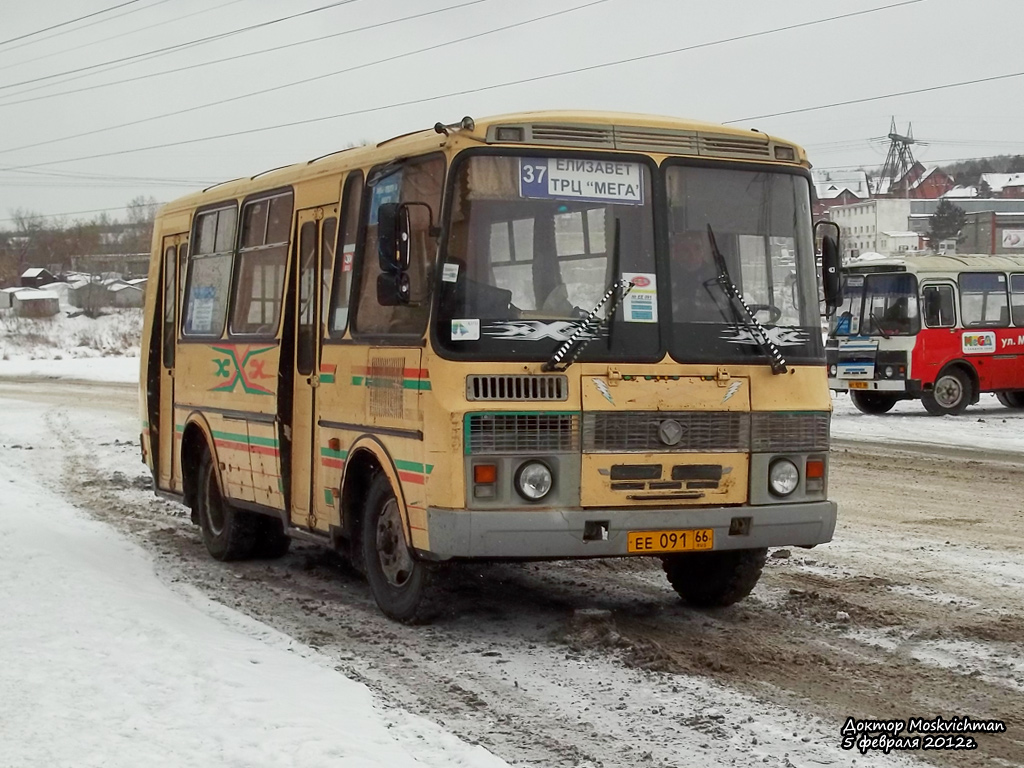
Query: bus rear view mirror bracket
[(831, 278)]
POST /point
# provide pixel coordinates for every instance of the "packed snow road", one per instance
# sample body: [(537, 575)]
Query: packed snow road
[(915, 610)]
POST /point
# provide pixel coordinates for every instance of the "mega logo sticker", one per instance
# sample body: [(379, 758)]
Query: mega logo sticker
[(978, 342)]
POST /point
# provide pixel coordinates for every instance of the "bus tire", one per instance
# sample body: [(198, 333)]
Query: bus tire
[(1014, 400), (271, 540), (228, 533), (950, 395), (400, 584), (872, 402), (714, 579)]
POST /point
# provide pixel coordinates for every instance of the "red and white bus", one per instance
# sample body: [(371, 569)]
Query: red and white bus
[(942, 329)]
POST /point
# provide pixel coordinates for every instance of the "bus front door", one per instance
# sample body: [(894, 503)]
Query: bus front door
[(168, 471), (314, 226)]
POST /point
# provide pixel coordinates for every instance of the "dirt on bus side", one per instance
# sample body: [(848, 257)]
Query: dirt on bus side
[(916, 609)]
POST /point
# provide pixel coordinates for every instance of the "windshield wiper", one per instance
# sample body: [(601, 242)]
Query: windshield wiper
[(878, 325), (587, 330), (748, 319)]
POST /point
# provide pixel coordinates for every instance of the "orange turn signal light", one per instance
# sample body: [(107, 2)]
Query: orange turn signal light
[(484, 474), (815, 468)]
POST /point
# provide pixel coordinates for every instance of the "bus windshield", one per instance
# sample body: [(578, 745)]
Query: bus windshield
[(878, 304), (531, 250), (762, 229)]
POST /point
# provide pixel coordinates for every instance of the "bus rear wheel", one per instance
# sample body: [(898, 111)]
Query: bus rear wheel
[(228, 533), (400, 584), (1013, 399), (950, 396), (714, 579), (872, 402)]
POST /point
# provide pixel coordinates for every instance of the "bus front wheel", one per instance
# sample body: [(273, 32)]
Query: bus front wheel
[(400, 584), (872, 402), (228, 533), (950, 395), (1013, 399), (714, 579)]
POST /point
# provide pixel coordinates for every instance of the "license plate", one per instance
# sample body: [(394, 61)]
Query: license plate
[(670, 541), (857, 385)]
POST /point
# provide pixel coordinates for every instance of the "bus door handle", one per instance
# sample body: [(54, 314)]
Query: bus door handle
[(313, 381)]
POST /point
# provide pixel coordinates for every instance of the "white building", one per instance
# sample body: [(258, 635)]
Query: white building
[(862, 224)]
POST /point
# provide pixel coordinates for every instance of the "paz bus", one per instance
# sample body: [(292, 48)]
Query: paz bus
[(941, 329), (474, 342)]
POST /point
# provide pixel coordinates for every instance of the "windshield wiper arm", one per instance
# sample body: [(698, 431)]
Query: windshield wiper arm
[(878, 325), (769, 347)]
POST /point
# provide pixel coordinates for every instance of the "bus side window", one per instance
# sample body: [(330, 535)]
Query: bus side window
[(350, 204), (1017, 299), (938, 306), (419, 181), (983, 300), (209, 272), (262, 255)]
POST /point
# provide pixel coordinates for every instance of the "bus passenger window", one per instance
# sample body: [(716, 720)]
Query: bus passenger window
[(983, 300), (259, 284), (1017, 299), (209, 273)]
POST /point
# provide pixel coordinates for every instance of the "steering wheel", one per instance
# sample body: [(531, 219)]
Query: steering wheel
[(774, 313)]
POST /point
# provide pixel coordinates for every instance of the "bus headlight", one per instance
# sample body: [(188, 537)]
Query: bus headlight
[(833, 370), (889, 371), (783, 477), (533, 480)]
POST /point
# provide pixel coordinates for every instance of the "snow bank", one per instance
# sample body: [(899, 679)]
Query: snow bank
[(105, 665)]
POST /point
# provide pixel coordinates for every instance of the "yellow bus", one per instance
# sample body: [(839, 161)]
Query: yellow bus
[(538, 336)]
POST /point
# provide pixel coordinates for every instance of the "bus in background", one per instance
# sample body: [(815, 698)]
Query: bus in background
[(537, 336), (942, 329)]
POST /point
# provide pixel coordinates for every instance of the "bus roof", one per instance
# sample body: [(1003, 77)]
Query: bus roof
[(953, 263), (565, 129)]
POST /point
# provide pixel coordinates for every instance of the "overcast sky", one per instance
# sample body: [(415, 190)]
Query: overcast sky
[(131, 100)]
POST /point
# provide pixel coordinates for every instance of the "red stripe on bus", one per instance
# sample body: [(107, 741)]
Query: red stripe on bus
[(409, 477), (333, 463)]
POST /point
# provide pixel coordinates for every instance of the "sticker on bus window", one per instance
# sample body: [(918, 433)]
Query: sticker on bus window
[(584, 179), (978, 343), (348, 256), (201, 313), (450, 272), (387, 190), (641, 303), (466, 329)]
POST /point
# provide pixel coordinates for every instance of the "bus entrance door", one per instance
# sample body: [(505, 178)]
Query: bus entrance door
[(168, 474), (306, 374)]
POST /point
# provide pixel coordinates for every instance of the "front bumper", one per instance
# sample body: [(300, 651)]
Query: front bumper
[(553, 534)]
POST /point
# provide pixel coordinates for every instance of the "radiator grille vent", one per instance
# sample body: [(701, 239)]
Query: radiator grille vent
[(480, 387), (784, 432), (625, 432), (522, 433), (580, 135)]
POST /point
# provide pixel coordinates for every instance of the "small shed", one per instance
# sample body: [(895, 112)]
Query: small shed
[(7, 297), (89, 295), (36, 277), (36, 303), (125, 295)]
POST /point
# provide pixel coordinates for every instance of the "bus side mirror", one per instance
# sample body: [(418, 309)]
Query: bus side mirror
[(831, 277), (393, 238), (393, 288)]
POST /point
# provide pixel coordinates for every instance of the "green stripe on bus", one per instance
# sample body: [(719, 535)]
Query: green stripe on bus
[(412, 466), (332, 454)]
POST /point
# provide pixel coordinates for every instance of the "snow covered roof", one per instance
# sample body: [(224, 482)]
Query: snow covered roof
[(33, 272), (123, 287), (962, 192), (36, 296), (903, 233), (831, 184), (997, 182)]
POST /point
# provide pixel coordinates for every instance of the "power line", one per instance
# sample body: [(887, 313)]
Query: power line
[(236, 57), (179, 46), (66, 23), (304, 81), (433, 98), (91, 43), (915, 91), (75, 213)]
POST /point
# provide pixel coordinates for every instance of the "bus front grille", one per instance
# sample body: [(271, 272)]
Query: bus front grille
[(514, 387), (639, 431), (789, 432), (522, 433)]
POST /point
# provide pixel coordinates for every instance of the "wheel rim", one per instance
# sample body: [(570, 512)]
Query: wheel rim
[(214, 508), (395, 560), (948, 391)]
